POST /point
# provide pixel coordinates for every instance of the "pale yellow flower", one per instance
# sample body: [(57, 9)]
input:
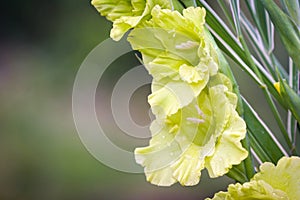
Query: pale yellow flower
[(204, 134), (281, 182), (126, 14), (179, 55)]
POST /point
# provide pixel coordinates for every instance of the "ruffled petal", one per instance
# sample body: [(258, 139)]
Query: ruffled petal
[(201, 134), (285, 176), (113, 10), (281, 182), (187, 169), (193, 103), (167, 98), (126, 14), (228, 150)]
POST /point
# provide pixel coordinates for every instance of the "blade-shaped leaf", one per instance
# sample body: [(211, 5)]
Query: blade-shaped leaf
[(262, 22), (288, 31), (235, 9), (226, 12), (262, 140), (231, 47), (291, 98), (189, 3), (176, 5), (292, 7), (266, 57)]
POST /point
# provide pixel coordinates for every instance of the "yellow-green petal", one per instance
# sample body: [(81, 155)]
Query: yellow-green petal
[(168, 97), (228, 150), (177, 48), (190, 74), (285, 176), (250, 191), (281, 182), (200, 134), (113, 10), (126, 14), (187, 169)]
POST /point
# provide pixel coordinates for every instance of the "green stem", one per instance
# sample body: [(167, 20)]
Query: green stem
[(248, 162), (237, 175), (266, 93), (188, 3), (259, 150), (287, 29), (236, 14), (257, 22), (294, 83), (226, 13)]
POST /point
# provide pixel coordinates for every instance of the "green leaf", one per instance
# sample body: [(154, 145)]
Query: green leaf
[(235, 7), (256, 43), (291, 98), (230, 46), (189, 3), (292, 7), (288, 31), (176, 5), (226, 41), (226, 12), (260, 14), (262, 140), (237, 174), (263, 23)]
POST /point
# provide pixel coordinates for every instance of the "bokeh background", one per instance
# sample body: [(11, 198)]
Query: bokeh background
[(42, 45)]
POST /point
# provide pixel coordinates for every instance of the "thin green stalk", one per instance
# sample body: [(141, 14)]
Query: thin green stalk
[(287, 29), (267, 57), (260, 151), (226, 13), (253, 11), (295, 77), (231, 47), (267, 94), (278, 65), (292, 8), (236, 14), (290, 117), (248, 162), (294, 84), (188, 3), (257, 46), (237, 175), (256, 157), (265, 142)]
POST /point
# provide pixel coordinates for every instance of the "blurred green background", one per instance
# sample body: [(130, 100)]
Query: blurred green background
[(41, 157)]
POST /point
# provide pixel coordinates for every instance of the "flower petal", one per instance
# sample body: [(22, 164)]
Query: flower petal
[(167, 98), (228, 150), (285, 176), (187, 169), (272, 182), (202, 133), (113, 10), (126, 14)]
